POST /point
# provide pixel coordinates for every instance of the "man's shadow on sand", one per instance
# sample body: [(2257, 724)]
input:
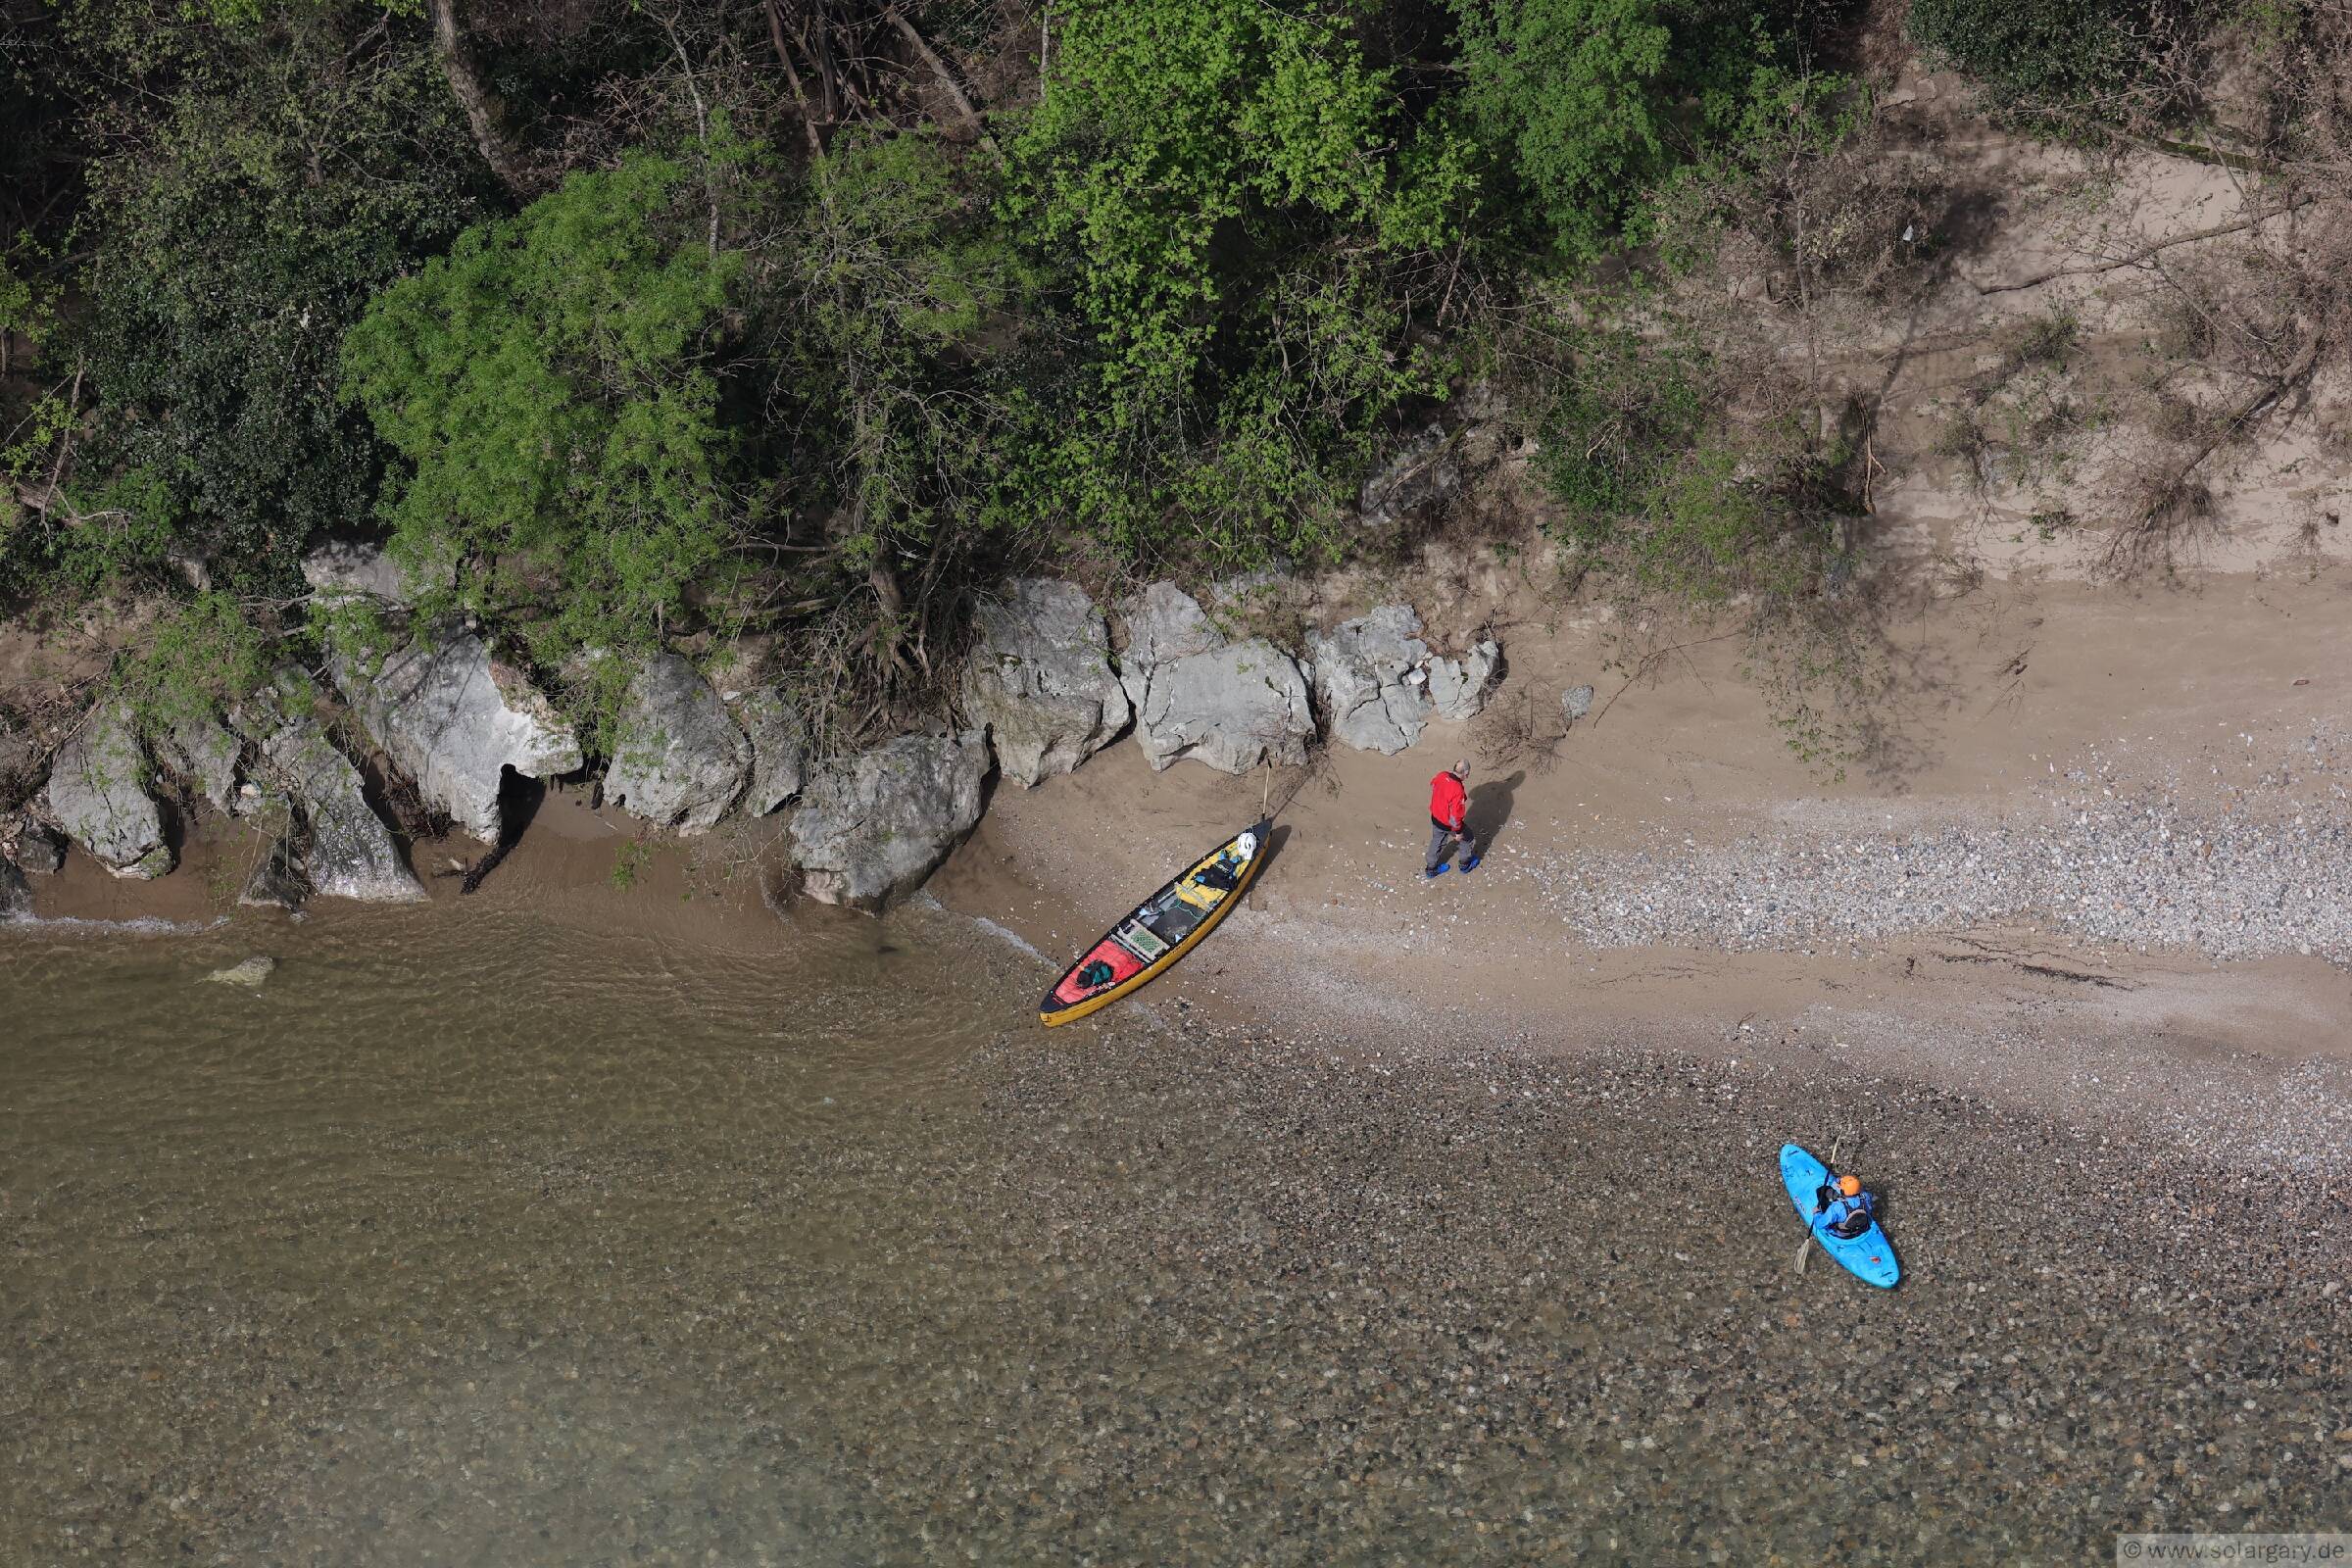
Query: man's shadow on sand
[(1489, 810)]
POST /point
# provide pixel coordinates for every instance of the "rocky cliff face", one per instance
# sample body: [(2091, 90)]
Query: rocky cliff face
[(451, 718), (872, 826), (1043, 689), (98, 794), (1041, 680)]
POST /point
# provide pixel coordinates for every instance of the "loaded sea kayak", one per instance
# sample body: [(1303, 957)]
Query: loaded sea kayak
[(1868, 1256), (1160, 930)]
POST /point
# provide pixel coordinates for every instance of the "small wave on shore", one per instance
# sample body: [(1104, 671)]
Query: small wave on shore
[(145, 925)]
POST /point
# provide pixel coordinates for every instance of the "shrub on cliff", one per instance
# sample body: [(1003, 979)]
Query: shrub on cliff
[(550, 385)]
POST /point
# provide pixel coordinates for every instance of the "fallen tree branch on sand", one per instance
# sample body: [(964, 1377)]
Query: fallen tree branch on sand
[(2145, 252), (2164, 498)]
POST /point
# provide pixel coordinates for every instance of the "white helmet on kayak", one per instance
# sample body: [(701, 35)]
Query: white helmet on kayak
[(1247, 845)]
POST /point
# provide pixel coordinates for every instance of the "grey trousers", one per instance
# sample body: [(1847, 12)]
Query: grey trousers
[(1441, 847)]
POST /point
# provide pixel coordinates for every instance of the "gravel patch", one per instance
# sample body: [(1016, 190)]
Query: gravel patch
[(2248, 870)]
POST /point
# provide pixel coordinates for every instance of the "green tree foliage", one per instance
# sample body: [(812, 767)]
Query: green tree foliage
[(1566, 95), (1241, 197), (198, 657), (2041, 56), (875, 308), (1169, 312), (550, 384), (1583, 107), (290, 174), (889, 312)]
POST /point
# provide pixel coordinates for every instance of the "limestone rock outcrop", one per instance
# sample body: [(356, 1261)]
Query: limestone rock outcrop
[(344, 570), (1367, 681), (1041, 680), (871, 827), (98, 794), (204, 754), (779, 750), (279, 881), (339, 845), (679, 759), (451, 718), (1459, 687), (1197, 694)]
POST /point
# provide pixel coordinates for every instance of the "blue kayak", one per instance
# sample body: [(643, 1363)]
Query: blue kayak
[(1869, 1257)]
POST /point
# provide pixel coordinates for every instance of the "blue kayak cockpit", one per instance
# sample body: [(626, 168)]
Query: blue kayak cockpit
[(1868, 1256)]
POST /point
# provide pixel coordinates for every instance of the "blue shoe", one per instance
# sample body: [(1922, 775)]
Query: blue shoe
[(1432, 876), (1471, 864)]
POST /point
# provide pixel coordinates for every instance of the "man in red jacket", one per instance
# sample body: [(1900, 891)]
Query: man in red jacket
[(1449, 822)]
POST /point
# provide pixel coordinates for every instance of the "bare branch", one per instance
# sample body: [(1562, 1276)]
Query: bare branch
[(2145, 252), (484, 112), (800, 94), (946, 79)]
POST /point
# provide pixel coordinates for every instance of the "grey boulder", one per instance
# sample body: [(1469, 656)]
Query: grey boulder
[(1576, 702), (1041, 680), (40, 848), (1231, 705), (1459, 686), (1165, 624), (204, 754), (1422, 477), (779, 750), (1361, 675), (679, 759), (451, 718), (873, 826), (341, 846), (341, 571), (280, 881), (15, 899), (98, 794)]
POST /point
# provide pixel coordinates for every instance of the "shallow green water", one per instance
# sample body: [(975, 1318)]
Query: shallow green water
[(481, 1236)]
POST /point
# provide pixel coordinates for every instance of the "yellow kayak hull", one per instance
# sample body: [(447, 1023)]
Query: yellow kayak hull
[(1158, 931)]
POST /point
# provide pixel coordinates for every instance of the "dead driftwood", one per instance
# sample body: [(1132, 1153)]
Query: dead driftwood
[(2165, 496), (2145, 252)]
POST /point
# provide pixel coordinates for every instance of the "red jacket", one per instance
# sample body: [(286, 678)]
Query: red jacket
[(1447, 802)]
